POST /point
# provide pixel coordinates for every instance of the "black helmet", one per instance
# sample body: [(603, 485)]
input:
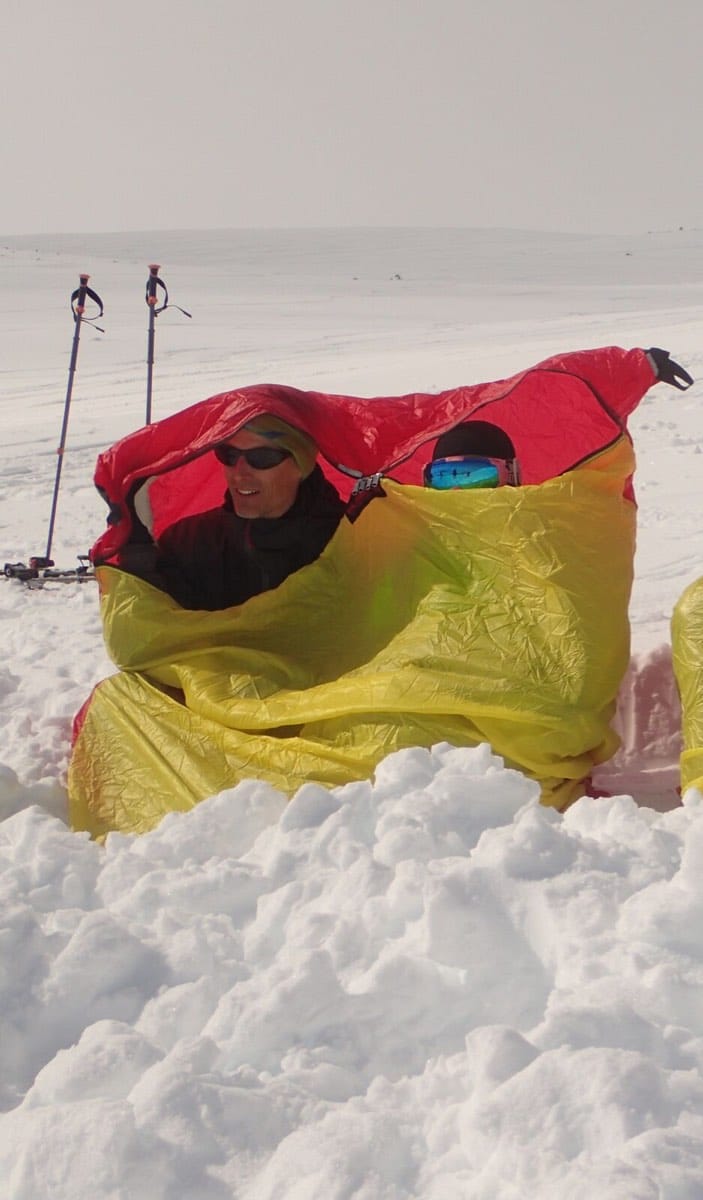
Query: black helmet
[(474, 437)]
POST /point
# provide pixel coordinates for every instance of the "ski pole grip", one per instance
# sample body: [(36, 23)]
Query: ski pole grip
[(151, 283), (80, 302)]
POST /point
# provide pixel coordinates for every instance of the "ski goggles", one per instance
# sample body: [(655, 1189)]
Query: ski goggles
[(471, 471), (259, 458)]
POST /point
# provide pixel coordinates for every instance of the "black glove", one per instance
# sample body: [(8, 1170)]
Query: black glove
[(669, 371)]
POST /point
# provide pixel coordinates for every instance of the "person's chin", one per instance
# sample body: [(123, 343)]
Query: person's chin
[(247, 506)]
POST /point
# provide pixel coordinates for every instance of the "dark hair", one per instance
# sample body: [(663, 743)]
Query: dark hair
[(474, 437)]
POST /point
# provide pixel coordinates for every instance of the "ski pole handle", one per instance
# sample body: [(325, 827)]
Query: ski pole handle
[(78, 301), (152, 283)]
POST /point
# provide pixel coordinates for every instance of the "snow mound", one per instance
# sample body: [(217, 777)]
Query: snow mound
[(428, 986)]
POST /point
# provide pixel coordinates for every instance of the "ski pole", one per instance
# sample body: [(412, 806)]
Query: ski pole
[(153, 282), (151, 285), (77, 302)]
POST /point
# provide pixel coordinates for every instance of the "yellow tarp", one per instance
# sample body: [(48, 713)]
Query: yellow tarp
[(487, 616), (687, 653)]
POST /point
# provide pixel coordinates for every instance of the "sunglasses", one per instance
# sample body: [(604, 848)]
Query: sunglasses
[(259, 458), (471, 471)]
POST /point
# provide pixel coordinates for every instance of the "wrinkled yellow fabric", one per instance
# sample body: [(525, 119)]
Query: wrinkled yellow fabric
[(687, 654), (467, 617)]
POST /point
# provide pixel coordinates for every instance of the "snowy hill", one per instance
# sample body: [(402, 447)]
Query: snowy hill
[(425, 986)]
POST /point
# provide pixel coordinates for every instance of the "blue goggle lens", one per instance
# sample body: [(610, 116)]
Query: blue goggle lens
[(448, 473)]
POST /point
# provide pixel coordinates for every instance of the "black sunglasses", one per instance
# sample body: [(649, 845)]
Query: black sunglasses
[(260, 458)]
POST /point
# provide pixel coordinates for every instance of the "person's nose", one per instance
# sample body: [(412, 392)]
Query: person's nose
[(241, 471)]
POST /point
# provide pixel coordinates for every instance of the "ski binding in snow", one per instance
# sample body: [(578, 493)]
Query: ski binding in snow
[(40, 570)]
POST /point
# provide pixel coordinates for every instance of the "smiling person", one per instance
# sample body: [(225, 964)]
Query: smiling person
[(278, 514)]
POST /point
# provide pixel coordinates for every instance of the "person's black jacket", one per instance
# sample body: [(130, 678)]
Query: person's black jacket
[(216, 559)]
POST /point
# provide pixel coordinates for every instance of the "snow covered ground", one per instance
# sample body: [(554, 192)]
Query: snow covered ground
[(424, 986)]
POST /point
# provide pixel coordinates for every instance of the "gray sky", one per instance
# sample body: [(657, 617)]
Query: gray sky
[(542, 114)]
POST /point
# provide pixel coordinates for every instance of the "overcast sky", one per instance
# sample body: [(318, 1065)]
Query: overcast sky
[(540, 114)]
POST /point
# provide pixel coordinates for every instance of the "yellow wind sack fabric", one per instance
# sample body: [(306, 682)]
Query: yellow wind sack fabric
[(493, 616), (687, 653)]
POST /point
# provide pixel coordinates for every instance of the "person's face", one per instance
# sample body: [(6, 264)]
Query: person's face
[(260, 493)]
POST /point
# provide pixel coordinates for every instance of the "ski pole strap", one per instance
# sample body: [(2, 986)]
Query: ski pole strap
[(154, 282), (667, 370), (78, 302)]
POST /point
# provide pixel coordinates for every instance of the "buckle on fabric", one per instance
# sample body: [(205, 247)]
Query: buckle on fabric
[(365, 490)]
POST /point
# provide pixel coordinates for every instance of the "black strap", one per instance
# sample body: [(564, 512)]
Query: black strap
[(160, 283), (86, 291), (669, 371)]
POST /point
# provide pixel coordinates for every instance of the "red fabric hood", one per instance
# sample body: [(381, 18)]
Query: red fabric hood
[(557, 413)]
